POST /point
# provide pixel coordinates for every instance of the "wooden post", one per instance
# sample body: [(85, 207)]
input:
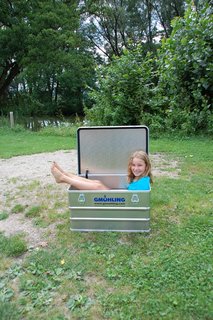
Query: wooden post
[(11, 120)]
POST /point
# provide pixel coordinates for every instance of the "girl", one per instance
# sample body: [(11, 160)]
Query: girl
[(139, 171), (139, 175)]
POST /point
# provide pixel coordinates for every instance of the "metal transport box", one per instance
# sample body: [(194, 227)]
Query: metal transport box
[(103, 154)]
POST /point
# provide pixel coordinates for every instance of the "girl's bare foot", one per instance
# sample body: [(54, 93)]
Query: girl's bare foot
[(58, 167), (62, 171), (58, 175)]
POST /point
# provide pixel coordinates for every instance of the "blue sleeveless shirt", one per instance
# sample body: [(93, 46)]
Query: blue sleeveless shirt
[(141, 184)]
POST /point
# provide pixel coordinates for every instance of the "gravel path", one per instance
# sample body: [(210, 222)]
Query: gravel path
[(19, 172)]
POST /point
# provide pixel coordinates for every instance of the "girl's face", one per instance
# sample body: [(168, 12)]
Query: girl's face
[(138, 167)]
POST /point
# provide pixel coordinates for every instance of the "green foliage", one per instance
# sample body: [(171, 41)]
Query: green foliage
[(18, 208), (3, 215), (124, 92), (33, 212), (65, 129), (114, 25), (9, 311), (62, 131), (12, 246), (168, 92), (46, 66), (78, 302), (5, 127), (186, 69)]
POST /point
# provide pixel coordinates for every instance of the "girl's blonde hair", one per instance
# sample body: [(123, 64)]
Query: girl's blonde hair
[(142, 156)]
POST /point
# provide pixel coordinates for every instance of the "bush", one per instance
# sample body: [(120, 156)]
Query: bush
[(170, 92), (125, 90), (185, 71)]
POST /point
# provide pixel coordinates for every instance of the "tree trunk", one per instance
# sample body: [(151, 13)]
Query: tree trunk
[(10, 71)]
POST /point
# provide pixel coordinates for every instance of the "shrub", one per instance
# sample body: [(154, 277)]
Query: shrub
[(185, 71), (170, 92), (125, 90)]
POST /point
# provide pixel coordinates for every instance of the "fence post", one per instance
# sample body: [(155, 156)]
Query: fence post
[(11, 120)]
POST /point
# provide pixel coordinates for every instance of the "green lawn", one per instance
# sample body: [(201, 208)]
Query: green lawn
[(22, 143), (164, 275)]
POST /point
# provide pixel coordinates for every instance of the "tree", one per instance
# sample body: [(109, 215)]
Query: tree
[(52, 58), (169, 91), (186, 69), (58, 57), (125, 90), (166, 10), (13, 35), (115, 25)]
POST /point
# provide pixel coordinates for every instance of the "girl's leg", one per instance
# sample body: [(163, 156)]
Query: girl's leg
[(71, 175), (62, 171), (76, 181)]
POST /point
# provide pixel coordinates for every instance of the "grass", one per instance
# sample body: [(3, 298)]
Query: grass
[(17, 141), (9, 311), (3, 215), (33, 212), (166, 274), (18, 208), (12, 246)]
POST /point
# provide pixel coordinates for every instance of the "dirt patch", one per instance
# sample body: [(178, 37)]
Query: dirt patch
[(18, 174), (164, 166)]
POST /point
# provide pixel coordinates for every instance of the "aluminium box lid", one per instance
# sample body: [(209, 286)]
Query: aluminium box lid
[(106, 150)]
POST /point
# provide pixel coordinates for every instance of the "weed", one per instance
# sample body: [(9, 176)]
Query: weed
[(9, 311), (78, 302), (18, 208), (4, 215), (12, 246), (34, 212)]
